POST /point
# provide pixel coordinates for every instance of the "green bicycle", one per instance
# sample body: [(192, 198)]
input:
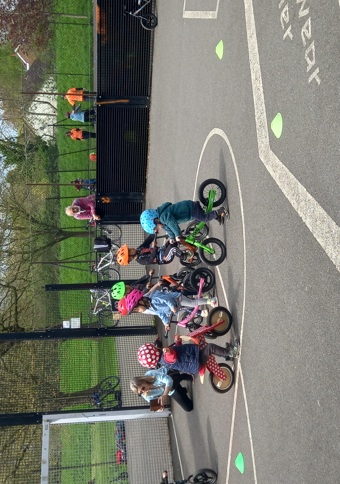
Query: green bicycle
[(212, 251)]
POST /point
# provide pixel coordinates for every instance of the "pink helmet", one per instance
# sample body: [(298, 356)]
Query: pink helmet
[(148, 355), (132, 299)]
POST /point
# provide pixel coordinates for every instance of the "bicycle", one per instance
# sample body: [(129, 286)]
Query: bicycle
[(113, 231), (102, 266), (103, 308), (220, 321), (187, 279), (147, 20), (212, 251), (202, 476), (107, 395)]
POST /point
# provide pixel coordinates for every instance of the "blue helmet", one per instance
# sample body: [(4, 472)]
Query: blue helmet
[(147, 220)]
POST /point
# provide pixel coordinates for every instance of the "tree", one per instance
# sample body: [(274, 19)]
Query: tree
[(26, 23)]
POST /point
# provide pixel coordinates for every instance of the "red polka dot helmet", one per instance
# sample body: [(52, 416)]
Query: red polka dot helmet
[(148, 355)]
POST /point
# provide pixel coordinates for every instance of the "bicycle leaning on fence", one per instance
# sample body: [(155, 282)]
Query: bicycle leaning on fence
[(101, 306), (107, 395)]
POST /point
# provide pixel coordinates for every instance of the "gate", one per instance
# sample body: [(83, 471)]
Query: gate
[(124, 55), (122, 447)]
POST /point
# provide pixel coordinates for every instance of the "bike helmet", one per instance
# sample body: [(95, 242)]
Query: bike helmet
[(148, 355), (118, 290), (132, 299), (122, 307), (147, 220), (122, 255), (129, 302)]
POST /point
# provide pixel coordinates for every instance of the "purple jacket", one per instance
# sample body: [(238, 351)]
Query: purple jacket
[(87, 206)]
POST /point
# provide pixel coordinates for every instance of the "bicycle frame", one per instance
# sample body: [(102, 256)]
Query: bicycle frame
[(100, 302), (191, 238), (104, 262), (137, 12)]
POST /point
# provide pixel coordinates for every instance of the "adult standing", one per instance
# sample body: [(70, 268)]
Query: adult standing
[(82, 115), (83, 208), (78, 94), (80, 134)]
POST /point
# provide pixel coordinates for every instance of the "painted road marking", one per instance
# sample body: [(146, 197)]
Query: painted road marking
[(222, 134), (201, 14), (323, 228)]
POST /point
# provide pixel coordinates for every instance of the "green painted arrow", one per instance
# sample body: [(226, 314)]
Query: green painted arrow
[(277, 125), (239, 462), (219, 49)]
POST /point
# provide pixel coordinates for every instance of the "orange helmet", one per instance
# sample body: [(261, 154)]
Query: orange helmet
[(122, 256)]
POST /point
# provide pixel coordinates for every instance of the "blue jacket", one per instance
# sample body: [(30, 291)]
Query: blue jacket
[(162, 380), (187, 359), (172, 214), (163, 305)]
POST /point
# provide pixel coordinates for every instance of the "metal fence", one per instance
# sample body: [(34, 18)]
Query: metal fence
[(64, 307)]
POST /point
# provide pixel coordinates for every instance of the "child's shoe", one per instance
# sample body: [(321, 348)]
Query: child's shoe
[(222, 214), (204, 313), (234, 349)]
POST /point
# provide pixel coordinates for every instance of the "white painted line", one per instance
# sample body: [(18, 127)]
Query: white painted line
[(221, 133), (249, 426), (323, 228), (201, 14)]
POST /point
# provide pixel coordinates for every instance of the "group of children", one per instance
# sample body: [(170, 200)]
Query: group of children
[(162, 378)]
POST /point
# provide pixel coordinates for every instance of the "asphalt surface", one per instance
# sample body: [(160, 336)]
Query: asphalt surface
[(280, 279)]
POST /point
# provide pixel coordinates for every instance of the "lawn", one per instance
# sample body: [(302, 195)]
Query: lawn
[(88, 451), (74, 68)]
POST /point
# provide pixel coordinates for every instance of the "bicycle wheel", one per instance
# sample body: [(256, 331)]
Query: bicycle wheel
[(223, 386), (114, 233), (106, 318), (218, 314), (109, 383), (212, 184), (203, 476), (149, 21), (220, 252), (109, 396), (108, 274), (184, 273), (208, 276), (202, 234)]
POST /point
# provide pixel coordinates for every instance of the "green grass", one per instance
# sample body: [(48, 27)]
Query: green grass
[(74, 68), (83, 363)]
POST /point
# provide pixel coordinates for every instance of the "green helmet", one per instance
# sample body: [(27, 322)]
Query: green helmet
[(118, 290)]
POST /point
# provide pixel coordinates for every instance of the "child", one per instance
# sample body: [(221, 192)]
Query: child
[(79, 183), (169, 215), (163, 305), (189, 358), (148, 253), (158, 384)]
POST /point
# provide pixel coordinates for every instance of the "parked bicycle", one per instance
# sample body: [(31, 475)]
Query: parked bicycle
[(147, 20), (102, 306), (203, 476), (107, 243), (107, 394), (102, 267)]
